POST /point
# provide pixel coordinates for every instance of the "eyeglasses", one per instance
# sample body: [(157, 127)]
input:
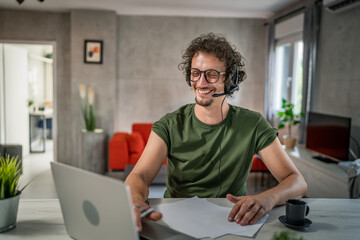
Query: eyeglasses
[(211, 75)]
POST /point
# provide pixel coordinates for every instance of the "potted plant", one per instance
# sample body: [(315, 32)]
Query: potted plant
[(289, 119), (9, 193), (92, 153), (285, 235), (87, 108)]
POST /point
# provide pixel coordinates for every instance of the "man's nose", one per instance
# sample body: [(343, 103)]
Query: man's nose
[(202, 81)]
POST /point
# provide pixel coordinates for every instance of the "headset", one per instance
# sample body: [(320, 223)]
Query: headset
[(234, 87)]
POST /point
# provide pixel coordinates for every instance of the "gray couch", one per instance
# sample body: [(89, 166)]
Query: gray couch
[(12, 150)]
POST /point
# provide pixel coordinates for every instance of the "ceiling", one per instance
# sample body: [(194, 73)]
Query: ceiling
[(201, 8)]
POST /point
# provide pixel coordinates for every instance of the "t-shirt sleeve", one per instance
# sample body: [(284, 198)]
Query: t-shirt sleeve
[(162, 130), (265, 134)]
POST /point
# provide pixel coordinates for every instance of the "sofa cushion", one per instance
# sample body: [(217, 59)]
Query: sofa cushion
[(136, 143), (258, 165), (134, 157), (144, 129), (118, 151)]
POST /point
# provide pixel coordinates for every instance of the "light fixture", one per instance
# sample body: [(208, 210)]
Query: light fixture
[(21, 1)]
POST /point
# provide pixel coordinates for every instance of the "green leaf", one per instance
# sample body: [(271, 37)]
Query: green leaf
[(2, 190), (10, 173), (285, 235), (287, 115), (296, 122), (91, 119)]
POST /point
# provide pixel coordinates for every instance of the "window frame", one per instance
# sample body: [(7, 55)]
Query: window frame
[(291, 40)]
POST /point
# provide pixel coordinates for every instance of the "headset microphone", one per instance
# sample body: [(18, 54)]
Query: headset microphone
[(232, 88)]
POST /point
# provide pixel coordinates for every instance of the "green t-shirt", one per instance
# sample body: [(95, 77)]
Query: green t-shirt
[(197, 165)]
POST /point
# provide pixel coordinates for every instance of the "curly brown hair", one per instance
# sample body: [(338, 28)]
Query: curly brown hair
[(217, 45)]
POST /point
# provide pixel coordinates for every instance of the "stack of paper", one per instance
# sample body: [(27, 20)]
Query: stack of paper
[(200, 218)]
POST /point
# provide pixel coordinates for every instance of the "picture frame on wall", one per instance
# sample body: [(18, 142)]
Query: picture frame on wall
[(93, 51)]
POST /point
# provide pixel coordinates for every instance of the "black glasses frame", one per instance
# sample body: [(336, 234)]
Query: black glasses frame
[(201, 72)]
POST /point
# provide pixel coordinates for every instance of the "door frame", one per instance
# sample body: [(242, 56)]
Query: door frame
[(54, 121)]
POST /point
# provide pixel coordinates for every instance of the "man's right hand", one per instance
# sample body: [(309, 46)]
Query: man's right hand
[(140, 178), (153, 216)]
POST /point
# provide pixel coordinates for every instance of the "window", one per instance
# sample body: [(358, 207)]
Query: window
[(287, 72), (291, 65)]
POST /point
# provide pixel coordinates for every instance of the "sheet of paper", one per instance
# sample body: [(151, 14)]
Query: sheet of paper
[(200, 218)]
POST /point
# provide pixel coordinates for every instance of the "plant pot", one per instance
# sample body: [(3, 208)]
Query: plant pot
[(92, 156), (8, 213), (289, 142)]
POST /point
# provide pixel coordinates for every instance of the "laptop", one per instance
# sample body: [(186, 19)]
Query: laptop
[(99, 207)]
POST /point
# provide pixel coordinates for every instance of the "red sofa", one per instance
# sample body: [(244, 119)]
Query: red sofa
[(126, 148), (258, 165)]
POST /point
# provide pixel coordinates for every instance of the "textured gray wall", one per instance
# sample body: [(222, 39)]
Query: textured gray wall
[(337, 85), (69, 30), (93, 25), (33, 26), (150, 49)]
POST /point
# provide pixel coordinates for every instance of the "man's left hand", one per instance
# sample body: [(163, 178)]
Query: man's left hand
[(248, 209)]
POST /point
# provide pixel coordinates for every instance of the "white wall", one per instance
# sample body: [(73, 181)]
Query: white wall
[(2, 97), (16, 97), (40, 72)]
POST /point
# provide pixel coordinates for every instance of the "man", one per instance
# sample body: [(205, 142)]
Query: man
[(210, 144)]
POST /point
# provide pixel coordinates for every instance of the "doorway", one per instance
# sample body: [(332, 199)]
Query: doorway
[(26, 102)]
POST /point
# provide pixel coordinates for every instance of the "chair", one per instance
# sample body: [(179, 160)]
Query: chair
[(259, 166), (126, 148)]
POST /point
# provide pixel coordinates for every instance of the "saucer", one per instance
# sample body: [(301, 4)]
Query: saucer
[(307, 223)]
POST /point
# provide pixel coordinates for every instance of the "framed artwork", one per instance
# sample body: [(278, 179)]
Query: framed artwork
[(93, 51)]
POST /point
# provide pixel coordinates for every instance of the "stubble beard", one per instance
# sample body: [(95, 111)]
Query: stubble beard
[(204, 103)]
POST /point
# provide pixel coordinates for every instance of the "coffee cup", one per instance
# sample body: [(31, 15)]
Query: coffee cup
[(296, 211)]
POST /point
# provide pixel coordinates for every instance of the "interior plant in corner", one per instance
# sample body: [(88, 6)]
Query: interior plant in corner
[(92, 140), (10, 172), (87, 107), (285, 235), (288, 118)]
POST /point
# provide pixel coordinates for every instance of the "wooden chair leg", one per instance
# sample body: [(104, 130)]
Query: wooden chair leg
[(262, 179)]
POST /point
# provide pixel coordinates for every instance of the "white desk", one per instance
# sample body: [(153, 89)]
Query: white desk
[(42, 115), (325, 180), (332, 219)]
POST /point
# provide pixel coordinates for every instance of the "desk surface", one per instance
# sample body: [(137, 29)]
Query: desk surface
[(332, 219), (307, 155), (48, 113), (325, 180)]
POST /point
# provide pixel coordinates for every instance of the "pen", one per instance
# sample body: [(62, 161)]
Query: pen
[(146, 212)]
